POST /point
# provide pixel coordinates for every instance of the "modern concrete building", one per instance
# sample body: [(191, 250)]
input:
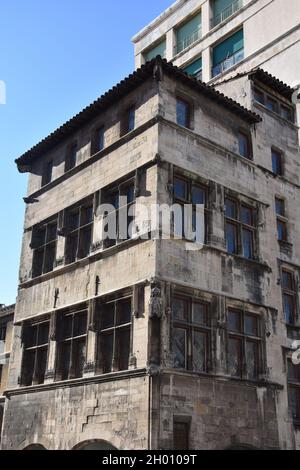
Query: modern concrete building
[(148, 342), (6, 331), (216, 39)]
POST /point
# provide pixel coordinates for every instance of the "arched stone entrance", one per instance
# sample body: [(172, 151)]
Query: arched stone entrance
[(35, 447)]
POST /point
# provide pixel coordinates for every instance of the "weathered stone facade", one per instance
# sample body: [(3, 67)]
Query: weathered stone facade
[(138, 406)]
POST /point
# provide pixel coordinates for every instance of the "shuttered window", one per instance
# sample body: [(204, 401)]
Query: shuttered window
[(188, 33), (228, 53)]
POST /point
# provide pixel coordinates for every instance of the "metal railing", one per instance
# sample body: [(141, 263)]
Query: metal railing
[(227, 63), (186, 42), (227, 12)]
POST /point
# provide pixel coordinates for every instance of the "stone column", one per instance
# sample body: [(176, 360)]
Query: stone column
[(52, 350), (206, 15), (171, 43), (91, 340)]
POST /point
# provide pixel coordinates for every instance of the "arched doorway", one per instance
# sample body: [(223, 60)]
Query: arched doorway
[(35, 447), (94, 445)]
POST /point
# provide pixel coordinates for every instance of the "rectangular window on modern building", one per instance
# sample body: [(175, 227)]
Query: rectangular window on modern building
[(224, 9), (34, 365), (188, 33), (79, 231), (159, 49), (72, 345), (228, 53), (244, 344), (195, 69), (191, 334), (240, 228), (114, 338), (43, 243), (294, 390), (289, 293)]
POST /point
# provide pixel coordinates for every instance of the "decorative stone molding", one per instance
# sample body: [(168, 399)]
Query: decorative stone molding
[(155, 305)]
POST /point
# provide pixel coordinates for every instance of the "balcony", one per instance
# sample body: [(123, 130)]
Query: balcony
[(227, 63), (226, 13), (188, 41)]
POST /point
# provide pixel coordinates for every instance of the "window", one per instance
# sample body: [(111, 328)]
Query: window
[(286, 113), (240, 228), (187, 192), (181, 432), (79, 231), (71, 157), (121, 219), (188, 33), (191, 334), (44, 241), (294, 390), (195, 69), (159, 49), (36, 338), (277, 164), (228, 53), (114, 335), (244, 145), (259, 96), (47, 173), (2, 332), (281, 219), (223, 9), (244, 344), (289, 292), (100, 139), (183, 113), (72, 345), (128, 121), (273, 104)]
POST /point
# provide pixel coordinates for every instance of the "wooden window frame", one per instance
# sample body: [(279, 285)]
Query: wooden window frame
[(44, 247), (36, 349), (243, 337), (190, 327), (241, 226), (78, 232)]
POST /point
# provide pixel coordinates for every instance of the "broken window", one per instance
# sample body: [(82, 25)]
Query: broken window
[(36, 339), (244, 344), (72, 344), (282, 220), (191, 335), (194, 194), (289, 292), (79, 221), (240, 228), (114, 335), (44, 242), (294, 390)]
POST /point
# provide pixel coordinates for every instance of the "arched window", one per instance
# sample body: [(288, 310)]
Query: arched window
[(94, 445)]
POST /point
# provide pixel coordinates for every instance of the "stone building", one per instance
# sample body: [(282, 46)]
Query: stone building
[(151, 342), (6, 330)]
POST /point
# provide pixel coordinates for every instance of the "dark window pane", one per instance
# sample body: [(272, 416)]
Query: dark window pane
[(180, 309), (251, 325), (41, 365), (40, 237), (276, 162), (234, 357), (107, 316), (280, 207), (47, 175), (182, 112), (37, 264), (244, 145), (271, 104), (130, 194), (107, 352), (200, 352), (200, 314), (247, 215), (123, 340), (251, 359), (100, 139), (67, 326), (288, 305), (198, 195), (80, 324), (179, 348), (180, 189), (43, 333), (231, 209), (74, 218), (31, 336), (293, 372), (124, 313), (281, 231), (50, 254), (259, 96), (71, 158), (247, 239), (28, 368), (287, 280), (231, 238), (294, 402), (181, 436), (2, 333), (87, 215), (234, 321), (286, 113), (131, 119), (79, 353), (65, 360), (85, 242), (72, 243), (51, 232)]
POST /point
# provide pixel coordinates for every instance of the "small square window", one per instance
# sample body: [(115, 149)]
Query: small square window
[(231, 209), (234, 321), (286, 113)]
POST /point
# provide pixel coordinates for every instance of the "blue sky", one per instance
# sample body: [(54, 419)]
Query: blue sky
[(56, 56)]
